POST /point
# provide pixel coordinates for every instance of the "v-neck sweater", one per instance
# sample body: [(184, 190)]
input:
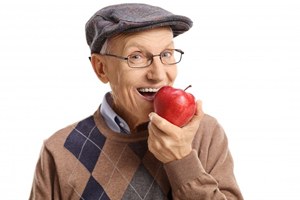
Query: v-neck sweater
[(89, 161)]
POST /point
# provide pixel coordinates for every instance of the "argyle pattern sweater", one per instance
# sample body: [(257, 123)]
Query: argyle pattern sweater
[(88, 161)]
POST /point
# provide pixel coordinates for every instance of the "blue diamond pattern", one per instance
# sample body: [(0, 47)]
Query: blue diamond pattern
[(87, 150), (94, 191)]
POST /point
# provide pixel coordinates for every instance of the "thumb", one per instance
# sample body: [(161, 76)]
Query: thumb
[(157, 120)]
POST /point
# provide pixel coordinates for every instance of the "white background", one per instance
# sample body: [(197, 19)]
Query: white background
[(242, 58)]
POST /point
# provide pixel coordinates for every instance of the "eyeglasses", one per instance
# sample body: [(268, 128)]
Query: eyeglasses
[(140, 60)]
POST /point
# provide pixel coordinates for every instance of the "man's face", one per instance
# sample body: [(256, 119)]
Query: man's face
[(128, 84)]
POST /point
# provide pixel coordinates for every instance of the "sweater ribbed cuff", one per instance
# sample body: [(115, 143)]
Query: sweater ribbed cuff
[(184, 170)]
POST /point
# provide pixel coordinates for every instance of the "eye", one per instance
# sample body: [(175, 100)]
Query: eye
[(166, 54), (136, 57)]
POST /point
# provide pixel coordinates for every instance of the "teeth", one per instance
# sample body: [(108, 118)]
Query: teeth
[(148, 89)]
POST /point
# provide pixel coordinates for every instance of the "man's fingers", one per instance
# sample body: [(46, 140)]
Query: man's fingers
[(159, 121)]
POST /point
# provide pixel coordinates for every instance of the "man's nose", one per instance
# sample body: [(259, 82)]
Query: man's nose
[(156, 69)]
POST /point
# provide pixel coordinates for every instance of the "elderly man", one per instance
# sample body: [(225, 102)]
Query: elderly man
[(125, 150)]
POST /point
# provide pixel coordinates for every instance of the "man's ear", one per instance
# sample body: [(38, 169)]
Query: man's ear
[(99, 67)]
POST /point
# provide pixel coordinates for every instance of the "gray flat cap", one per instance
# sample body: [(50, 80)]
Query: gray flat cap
[(130, 17)]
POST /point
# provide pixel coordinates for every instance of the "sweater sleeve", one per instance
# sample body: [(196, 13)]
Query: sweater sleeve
[(206, 173), (45, 182)]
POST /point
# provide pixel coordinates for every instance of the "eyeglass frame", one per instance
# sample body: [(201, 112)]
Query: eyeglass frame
[(148, 58)]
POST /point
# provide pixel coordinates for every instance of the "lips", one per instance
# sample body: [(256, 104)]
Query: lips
[(148, 93)]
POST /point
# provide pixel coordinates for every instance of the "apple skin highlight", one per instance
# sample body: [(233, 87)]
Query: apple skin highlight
[(175, 105)]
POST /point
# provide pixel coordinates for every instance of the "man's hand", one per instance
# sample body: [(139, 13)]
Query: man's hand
[(169, 142)]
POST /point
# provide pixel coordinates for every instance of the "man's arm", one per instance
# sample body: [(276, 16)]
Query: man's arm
[(190, 180), (206, 172), (45, 179)]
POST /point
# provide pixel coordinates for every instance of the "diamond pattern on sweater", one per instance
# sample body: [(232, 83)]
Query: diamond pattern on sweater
[(139, 148), (142, 186), (93, 191), (90, 147), (85, 143)]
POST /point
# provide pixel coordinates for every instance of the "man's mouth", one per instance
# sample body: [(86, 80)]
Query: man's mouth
[(148, 93)]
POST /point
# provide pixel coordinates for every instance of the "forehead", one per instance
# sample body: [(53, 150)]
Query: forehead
[(152, 38)]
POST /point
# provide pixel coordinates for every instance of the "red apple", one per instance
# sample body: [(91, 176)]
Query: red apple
[(175, 105)]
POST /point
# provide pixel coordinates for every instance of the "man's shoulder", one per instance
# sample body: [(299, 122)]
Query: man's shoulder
[(209, 121), (59, 137), (211, 126)]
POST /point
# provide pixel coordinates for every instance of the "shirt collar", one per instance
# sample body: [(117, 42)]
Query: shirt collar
[(112, 119)]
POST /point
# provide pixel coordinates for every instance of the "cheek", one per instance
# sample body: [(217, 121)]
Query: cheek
[(122, 86), (172, 74), (117, 75), (118, 84)]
